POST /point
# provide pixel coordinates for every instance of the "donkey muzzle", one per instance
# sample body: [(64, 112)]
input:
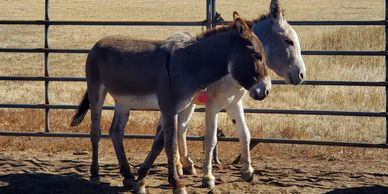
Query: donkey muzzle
[(260, 90)]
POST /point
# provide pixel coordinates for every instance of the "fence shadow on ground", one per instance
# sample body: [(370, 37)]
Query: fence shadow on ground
[(376, 189), (42, 183)]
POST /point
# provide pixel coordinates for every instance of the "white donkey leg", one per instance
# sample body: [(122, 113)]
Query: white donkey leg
[(187, 165), (236, 113), (212, 109), (96, 95), (116, 133)]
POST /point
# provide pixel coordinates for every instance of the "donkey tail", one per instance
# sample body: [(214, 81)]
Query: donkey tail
[(81, 111)]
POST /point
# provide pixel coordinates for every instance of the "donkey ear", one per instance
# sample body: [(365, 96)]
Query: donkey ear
[(276, 12), (242, 28), (235, 15)]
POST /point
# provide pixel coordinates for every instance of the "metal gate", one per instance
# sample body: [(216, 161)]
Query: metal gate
[(212, 19)]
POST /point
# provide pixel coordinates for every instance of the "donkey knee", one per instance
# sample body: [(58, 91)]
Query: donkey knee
[(211, 143), (115, 133), (245, 138)]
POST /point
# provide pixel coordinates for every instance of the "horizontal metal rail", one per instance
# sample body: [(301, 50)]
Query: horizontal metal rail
[(277, 82), (200, 138), (347, 53), (44, 50), (76, 51), (339, 23), (327, 23), (180, 23), (42, 78), (247, 110), (103, 23)]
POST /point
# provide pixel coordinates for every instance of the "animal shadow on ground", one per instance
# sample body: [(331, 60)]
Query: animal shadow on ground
[(42, 183), (376, 189)]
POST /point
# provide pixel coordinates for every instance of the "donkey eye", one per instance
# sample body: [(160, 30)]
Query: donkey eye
[(290, 42), (257, 56)]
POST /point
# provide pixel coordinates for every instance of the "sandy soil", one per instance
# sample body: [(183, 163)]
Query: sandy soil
[(34, 172)]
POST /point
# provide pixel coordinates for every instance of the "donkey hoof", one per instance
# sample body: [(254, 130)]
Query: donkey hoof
[(95, 180), (180, 171), (208, 182), (140, 187), (247, 175), (129, 183), (181, 190), (189, 170)]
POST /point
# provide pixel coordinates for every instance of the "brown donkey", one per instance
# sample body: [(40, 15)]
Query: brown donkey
[(148, 75)]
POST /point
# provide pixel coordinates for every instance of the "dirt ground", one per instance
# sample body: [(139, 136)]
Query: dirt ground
[(67, 172)]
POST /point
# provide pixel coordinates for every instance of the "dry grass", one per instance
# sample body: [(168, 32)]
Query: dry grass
[(285, 97)]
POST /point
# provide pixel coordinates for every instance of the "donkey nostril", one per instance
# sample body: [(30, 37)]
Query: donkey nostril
[(301, 76), (266, 92)]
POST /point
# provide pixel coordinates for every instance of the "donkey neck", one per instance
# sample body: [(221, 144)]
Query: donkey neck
[(206, 59), (214, 53), (217, 48)]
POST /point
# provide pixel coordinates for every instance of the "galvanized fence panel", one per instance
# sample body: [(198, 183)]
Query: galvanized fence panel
[(209, 22)]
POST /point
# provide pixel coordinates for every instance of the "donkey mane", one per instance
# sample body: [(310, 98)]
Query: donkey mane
[(214, 31), (260, 18), (219, 29)]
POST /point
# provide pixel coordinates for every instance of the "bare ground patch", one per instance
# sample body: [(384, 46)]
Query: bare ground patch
[(67, 172)]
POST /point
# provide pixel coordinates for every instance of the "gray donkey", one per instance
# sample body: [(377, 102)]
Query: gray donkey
[(283, 52), (147, 75)]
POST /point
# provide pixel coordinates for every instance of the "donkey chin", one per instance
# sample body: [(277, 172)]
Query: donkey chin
[(296, 76), (261, 89)]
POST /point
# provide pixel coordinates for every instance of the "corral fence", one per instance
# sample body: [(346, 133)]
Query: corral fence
[(212, 19)]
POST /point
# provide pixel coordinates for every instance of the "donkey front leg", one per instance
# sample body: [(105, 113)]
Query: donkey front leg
[(187, 165), (236, 113), (208, 180), (116, 133), (170, 129)]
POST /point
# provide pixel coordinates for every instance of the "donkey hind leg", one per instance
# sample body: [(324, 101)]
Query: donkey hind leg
[(208, 180), (96, 97), (116, 133), (170, 129), (236, 113), (149, 157), (157, 147), (187, 165)]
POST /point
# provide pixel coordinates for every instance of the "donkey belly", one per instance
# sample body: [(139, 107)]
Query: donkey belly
[(143, 102)]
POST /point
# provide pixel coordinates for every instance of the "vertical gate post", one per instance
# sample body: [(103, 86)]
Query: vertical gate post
[(46, 70), (213, 12), (386, 71), (210, 12)]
